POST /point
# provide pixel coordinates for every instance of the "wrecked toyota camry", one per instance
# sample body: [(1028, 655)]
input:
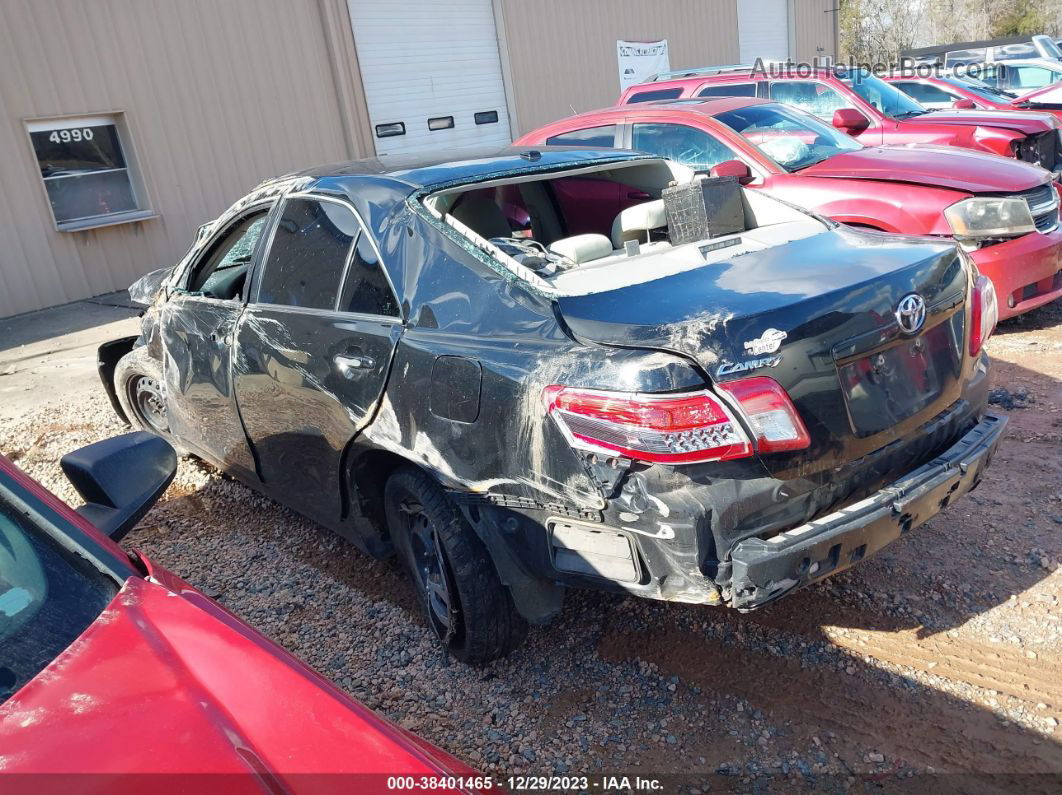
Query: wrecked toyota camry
[(569, 368)]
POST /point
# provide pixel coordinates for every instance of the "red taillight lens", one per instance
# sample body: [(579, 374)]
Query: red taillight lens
[(984, 313), (664, 429), (771, 414)]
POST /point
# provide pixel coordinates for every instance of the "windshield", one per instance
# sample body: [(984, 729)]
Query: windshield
[(48, 596), (980, 88), (792, 139), (876, 92), (1048, 47)]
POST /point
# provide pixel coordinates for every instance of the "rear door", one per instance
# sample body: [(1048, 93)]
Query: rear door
[(198, 324), (313, 349)]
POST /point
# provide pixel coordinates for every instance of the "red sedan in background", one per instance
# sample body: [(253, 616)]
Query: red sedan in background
[(866, 107), (942, 91), (1004, 212), (112, 668)]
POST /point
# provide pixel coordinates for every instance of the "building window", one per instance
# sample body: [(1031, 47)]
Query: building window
[(87, 170)]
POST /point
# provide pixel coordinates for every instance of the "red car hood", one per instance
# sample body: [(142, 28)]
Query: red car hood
[(1023, 122), (167, 682), (937, 166)]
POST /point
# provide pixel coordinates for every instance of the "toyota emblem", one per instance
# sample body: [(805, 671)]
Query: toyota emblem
[(911, 313)]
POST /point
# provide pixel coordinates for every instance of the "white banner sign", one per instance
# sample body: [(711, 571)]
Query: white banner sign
[(640, 60)]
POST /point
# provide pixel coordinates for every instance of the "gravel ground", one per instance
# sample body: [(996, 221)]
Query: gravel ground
[(941, 655)]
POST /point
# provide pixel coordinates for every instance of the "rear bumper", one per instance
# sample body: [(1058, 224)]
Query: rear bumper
[(1024, 271), (764, 570)]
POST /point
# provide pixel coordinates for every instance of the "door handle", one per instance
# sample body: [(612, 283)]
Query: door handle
[(349, 365), (638, 194)]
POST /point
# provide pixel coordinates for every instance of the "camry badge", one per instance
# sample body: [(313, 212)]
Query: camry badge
[(911, 313), (768, 342)]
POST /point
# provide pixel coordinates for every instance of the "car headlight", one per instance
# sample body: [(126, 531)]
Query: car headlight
[(974, 218)]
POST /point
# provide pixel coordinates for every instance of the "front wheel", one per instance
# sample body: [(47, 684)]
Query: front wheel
[(468, 608), (141, 391)]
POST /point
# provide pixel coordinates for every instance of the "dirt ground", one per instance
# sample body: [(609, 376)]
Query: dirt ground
[(935, 665)]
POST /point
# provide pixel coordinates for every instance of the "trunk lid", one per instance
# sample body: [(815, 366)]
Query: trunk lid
[(819, 316)]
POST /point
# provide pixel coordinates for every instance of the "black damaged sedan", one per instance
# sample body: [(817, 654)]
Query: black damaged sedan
[(563, 368)]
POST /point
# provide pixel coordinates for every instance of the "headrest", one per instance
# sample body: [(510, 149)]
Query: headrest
[(635, 222), (582, 248)]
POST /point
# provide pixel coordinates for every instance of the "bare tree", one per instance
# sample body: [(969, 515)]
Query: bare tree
[(874, 31)]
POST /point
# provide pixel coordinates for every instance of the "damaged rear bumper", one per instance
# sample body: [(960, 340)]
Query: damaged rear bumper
[(764, 570)]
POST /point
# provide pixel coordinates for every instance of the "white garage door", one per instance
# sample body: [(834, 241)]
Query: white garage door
[(763, 30), (432, 75)]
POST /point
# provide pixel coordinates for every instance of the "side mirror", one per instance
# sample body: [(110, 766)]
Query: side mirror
[(964, 104), (732, 168), (850, 120), (120, 479)]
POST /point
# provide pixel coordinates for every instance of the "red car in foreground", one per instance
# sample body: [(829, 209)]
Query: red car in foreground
[(866, 107), (112, 668), (1005, 213)]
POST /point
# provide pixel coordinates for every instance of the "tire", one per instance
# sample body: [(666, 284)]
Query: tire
[(468, 608), (142, 392)]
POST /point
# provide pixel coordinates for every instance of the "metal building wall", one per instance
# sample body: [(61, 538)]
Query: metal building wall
[(562, 54), (217, 95), (814, 29)]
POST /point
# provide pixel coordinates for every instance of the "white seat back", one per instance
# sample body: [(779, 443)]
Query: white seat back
[(635, 222)]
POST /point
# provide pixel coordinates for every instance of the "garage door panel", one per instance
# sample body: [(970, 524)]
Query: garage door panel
[(763, 30), (423, 60)]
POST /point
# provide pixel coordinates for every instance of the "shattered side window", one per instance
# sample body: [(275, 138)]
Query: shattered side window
[(222, 270), (810, 96), (366, 288), (308, 254), (694, 148)]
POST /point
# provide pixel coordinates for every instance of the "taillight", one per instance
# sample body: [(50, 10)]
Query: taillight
[(771, 414), (663, 429), (678, 429), (984, 313)]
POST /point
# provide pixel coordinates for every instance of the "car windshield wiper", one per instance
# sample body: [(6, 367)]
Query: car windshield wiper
[(909, 114)]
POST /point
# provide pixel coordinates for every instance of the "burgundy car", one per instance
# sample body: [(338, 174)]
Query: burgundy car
[(1005, 213), (111, 666), (868, 108), (943, 91)]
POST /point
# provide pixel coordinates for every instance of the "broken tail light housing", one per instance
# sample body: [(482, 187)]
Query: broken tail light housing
[(984, 313), (660, 429), (771, 414)]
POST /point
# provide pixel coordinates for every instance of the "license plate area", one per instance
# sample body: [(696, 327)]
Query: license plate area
[(893, 383)]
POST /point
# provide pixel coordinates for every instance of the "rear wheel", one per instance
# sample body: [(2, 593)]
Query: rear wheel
[(468, 608), (141, 391)]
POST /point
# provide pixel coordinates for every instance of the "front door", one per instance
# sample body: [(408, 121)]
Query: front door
[(198, 325), (313, 351)]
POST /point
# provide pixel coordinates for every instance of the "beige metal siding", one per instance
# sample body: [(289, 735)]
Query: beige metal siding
[(814, 28), (562, 54), (217, 95)]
